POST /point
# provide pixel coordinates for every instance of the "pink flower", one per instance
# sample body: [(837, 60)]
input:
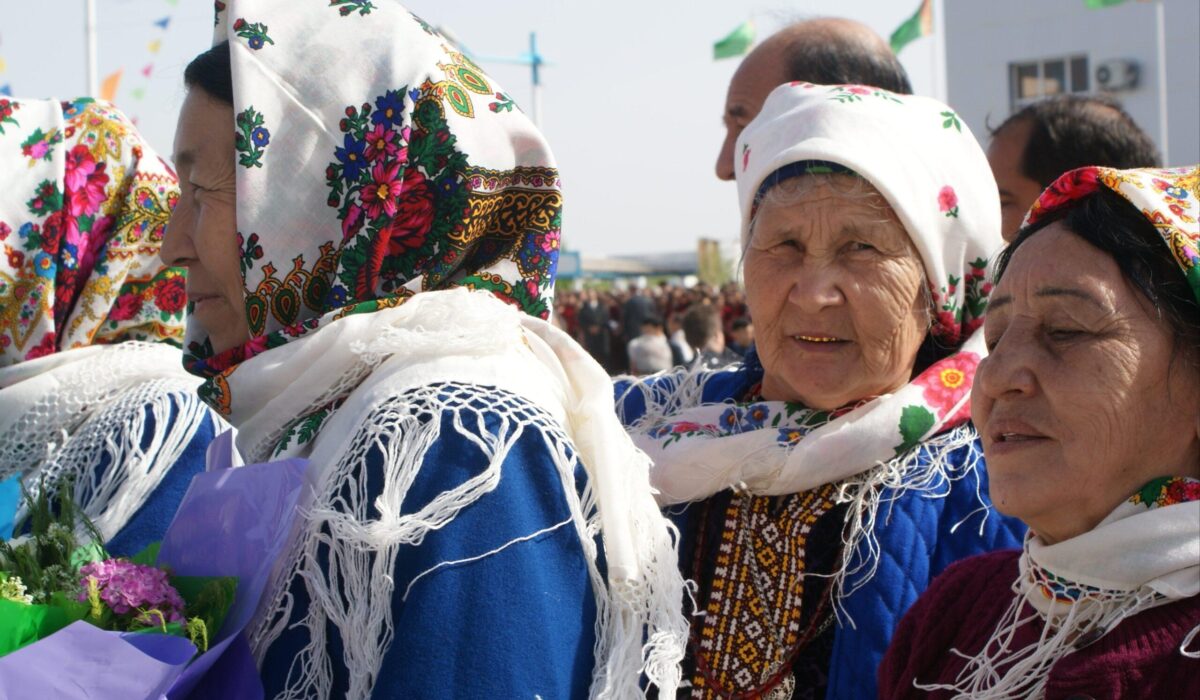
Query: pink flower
[(380, 196), (126, 588), (381, 141), (83, 182), (948, 201), (859, 90), (43, 348), (128, 306), (948, 382), (352, 223), (5, 229), (37, 150)]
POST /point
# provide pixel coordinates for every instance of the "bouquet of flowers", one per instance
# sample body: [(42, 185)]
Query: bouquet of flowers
[(166, 623), (50, 579)]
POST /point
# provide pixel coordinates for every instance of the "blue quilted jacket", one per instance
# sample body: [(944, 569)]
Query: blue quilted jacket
[(919, 536)]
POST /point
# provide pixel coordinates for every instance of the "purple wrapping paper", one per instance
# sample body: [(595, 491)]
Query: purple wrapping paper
[(82, 661), (231, 522)]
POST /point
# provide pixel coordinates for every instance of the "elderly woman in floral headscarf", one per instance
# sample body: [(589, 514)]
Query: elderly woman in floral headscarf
[(1089, 405), (92, 388), (832, 475), (371, 229)]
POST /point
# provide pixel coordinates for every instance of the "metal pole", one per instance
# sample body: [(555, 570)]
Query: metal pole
[(1161, 31), (535, 61), (93, 85), (941, 86)]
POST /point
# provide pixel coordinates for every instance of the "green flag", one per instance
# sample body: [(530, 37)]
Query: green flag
[(915, 27), (737, 43), (1098, 4)]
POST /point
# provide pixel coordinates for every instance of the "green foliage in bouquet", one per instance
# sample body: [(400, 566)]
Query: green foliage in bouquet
[(49, 579)]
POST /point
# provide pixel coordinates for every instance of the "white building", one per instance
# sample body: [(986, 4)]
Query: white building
[(1000, 55)]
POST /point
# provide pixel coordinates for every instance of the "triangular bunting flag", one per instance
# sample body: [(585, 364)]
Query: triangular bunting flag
[(155, 46), (146, 71), (3, 65), (138, 93), (162, 23), (108, 88), (737, 43), (6, 90)]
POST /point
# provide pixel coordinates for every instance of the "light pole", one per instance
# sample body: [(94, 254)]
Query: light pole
[(89, 30)]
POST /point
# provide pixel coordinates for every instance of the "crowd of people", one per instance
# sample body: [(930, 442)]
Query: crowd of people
[(944, 443), (673, 326)]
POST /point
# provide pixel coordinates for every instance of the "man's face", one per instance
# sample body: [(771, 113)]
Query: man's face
[(760, 73), (1017, 192)]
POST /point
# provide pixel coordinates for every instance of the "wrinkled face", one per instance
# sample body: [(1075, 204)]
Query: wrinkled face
[(202, 234), (759, 73), (1082, 400), (1017, 192), (834, 285)]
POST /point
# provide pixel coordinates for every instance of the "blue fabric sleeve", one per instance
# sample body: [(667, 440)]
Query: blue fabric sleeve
[(919, 536), (150, 521), (496, 604)]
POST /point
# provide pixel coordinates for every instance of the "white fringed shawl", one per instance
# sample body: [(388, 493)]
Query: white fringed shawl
[(62, 414), (426, 355)]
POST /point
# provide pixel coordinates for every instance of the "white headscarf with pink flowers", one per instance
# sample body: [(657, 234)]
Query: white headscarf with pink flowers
[(919, 155)]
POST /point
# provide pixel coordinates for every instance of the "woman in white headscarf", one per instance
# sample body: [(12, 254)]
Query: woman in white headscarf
[(371, 230), (831, 475), (92, 387)]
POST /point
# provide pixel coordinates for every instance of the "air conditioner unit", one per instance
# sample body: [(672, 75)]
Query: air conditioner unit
[(1116, 75)]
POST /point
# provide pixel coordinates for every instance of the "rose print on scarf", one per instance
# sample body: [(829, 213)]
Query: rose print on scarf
[(1167, 491), (255, 34), (349, 7), (947, 383), (40, 145), (251, 138), (7, 107), (854, 93), (948, 201)]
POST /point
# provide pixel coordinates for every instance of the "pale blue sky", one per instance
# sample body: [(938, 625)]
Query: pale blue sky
[(632, 103)]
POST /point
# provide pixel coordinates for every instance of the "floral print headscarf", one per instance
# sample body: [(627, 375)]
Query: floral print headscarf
[(917, 153), (83, 205), (1169, 198), (924, 161), (374, 162)]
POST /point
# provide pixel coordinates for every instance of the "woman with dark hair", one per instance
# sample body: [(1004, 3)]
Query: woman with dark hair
[(93, 396), (371, 231), (1089, 407)]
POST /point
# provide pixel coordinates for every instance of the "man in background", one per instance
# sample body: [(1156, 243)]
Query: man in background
[(826, 51), (741, 336), (650, 352), (1051, 136), (702, 327)]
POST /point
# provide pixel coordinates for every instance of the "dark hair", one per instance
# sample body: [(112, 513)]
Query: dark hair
[(841, 60), (1111, 223), (211, 72), (701, 324), (652, 320), (739, 323), (1071, 131)]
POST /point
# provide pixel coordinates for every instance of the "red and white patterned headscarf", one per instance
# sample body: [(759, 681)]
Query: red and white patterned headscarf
[(83, 204)]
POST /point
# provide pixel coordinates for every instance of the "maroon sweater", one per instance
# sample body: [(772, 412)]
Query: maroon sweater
[(1139, 658)]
